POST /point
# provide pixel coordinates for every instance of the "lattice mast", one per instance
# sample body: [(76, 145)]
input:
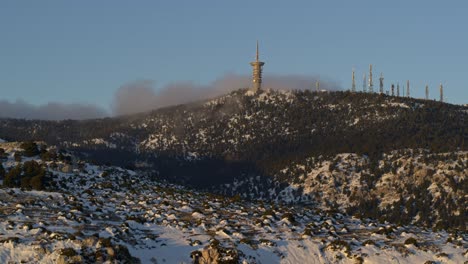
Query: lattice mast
[(427, 92), (393, 89), (371, 83), (257, 68), (441, 93), (364, 87), (398, 90), (381, 79), (407, 89), (353, 85)]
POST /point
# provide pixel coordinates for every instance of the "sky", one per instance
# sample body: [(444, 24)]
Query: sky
[(84, 52)]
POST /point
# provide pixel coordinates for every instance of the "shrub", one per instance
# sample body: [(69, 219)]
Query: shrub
[(105, 242), (69, 252), (267, 242), (442, 255), (32, 168), (3, 155), (359, 260), (236, 198), (12, 178), (252, 243), (411, 240), (36, 182), (45, 155), (269, 212), (289, 216), (339, 245), (2, 171), (17, 156), (30, 148), (25, 182)]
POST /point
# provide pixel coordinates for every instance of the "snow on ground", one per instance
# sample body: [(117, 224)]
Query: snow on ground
[(95, 216)]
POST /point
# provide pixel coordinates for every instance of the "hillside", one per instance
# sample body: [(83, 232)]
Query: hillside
[(300, 121), (337, 150), (86, 213)]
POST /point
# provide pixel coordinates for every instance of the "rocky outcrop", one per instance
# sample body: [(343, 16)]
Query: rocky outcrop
[(215, 254)]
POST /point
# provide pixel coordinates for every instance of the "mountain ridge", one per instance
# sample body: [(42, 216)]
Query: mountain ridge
[(249, 139), (304, 116)]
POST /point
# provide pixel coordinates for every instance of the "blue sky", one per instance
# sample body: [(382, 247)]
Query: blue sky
[(83, 51)]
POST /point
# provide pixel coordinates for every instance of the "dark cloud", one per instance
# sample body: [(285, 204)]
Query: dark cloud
[(50, 111), (141, 96)]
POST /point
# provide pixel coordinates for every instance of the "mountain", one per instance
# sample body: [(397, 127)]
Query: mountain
[(364, 154)]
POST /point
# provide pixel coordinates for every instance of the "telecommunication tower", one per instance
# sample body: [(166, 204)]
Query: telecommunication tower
[(441, 93), (393, 89), (427, 92), (371, 84), (353, 85), (381, 79), (257, 67), (407, 89), (364, 87)]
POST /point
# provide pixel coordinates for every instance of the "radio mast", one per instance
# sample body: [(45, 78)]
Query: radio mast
[(407, 89), (427, 92), (381, 79)]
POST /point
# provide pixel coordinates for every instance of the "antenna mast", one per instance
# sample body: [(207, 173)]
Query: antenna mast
[(441, 93), (427, 92), (407, 89), (364, 87), (381, 79)]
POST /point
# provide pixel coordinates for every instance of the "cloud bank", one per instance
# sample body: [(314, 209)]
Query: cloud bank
[(50, 111), (145, 95), (141, 96)]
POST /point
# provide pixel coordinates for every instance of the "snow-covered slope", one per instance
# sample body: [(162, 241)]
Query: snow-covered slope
[(96, 213), (405, 186)]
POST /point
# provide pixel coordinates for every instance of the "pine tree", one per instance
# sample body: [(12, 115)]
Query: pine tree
[(17, 156), (12, 178), (30, 148), (2, 171), (3, 155)]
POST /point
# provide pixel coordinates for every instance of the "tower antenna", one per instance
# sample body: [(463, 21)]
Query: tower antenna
[(427, 92), (353, 85), (381, 79), (441, 93), (407, 89), (257, 68), (364, 89), (371, 83), (398, 90), (257, 54)]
